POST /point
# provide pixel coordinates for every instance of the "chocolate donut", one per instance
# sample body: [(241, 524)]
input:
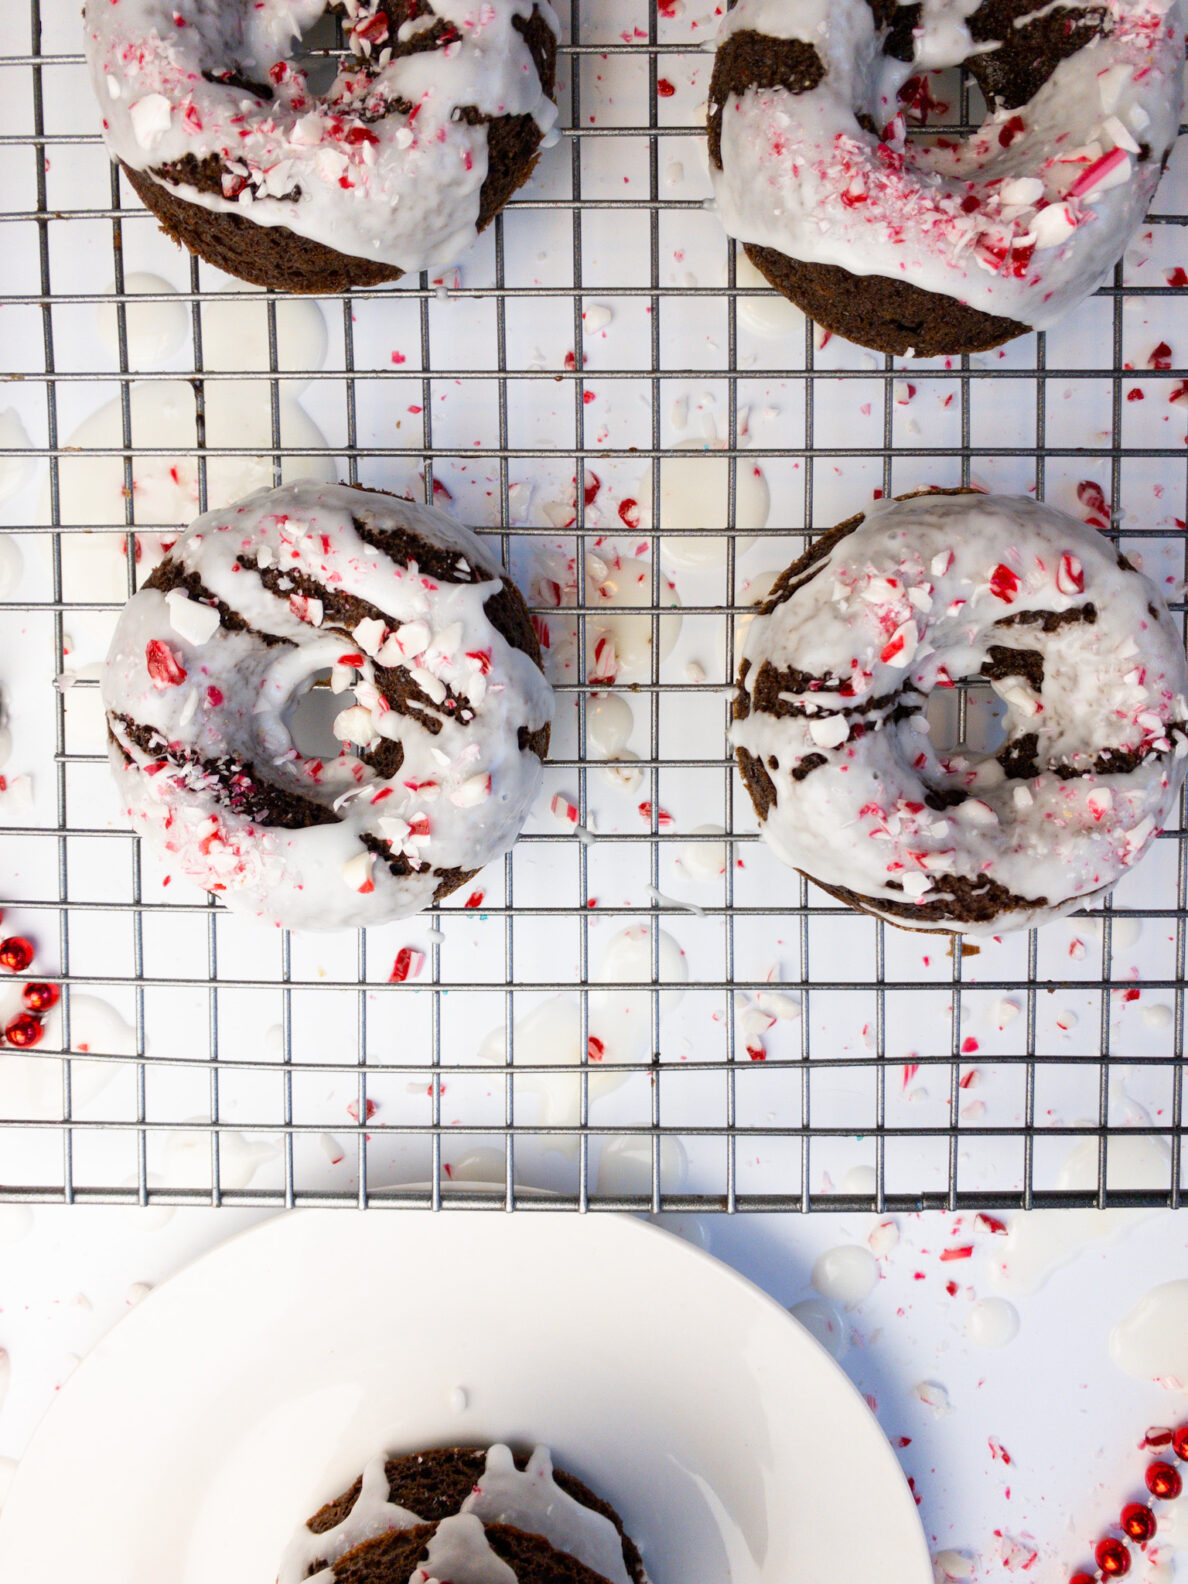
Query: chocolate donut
[(442, 747), (945, 245), (466, 1512), (419, 142), (833, 742)]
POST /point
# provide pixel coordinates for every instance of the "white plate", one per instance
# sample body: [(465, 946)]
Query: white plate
[(224, 1409)]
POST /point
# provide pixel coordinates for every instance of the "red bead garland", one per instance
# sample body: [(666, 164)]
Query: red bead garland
[(24, 1030), (1138, 1522), (16, 953), (1164, 1481), (40, 997), (1112, 1557)]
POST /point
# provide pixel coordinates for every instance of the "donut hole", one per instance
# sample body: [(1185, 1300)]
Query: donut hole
[(318, 52), (969, 717), (310, 718)]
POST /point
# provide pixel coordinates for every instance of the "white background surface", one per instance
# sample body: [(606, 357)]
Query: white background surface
[(1068, 1418)]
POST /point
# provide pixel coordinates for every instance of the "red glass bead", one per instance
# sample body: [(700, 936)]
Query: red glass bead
[(40, 997), (1180, 1442), (1112, 1557), (24, 1030), (16, 953), (1164, 1481), (1138, 1521)]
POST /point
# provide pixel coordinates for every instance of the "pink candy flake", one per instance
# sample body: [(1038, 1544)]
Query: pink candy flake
[(1004, 584), (1160, 357), (663, 817), (1108, 171), (1177, 276), (475, 899), (164, 665), (964, 1252), (968, 1045), (989, 1223), (408, 965), (1070, 575), (595, 1048), (756, 1051), (629, 512), (371, 1107), (563, 809), (1092, 498)]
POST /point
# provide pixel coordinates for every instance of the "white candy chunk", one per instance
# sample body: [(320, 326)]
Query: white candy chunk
[(974, 812), (196, 623), (395, 830), (1022, 796), (1110, 84), (357, 872), (369, 635), (941, 563), (915, 883), (474, 790), (778, 1004), (830, 731), (900, 649), (413, 638), (1052, 226), (883, 1239), (151, 118), (1021, 191), (264, 556), (429, 685), (934, 1396), (1120, 135), (354, 725), (1005, 1012), (1099, 802), (341, 677), (753, 1021), (307, 132)]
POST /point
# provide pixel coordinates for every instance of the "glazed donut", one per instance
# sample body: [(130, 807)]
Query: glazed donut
[(833, 741), (442, 746), (421, 139), (942, 246)]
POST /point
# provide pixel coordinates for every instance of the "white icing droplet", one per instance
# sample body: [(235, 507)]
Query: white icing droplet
[(1157, 1016), (457, 1399), (1039, 1241), (694, 493), (1151, 1343), (155, 330), (822, 1321), (769, 315), (609, 724), (862, 1181), (15, 471), (992, 1323), (703, 860), (847, 1274), (625, 1166), (613, 591)]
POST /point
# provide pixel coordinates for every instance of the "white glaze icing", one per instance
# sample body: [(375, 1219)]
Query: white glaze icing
[(350, 170), (532, 1500), (461, 794), (1151, 1343), (371, 1515), (847, 1274), (1023, 219), (910, 600), (458, 1552)]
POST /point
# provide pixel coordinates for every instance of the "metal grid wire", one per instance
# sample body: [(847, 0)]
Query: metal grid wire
[(839, 961)]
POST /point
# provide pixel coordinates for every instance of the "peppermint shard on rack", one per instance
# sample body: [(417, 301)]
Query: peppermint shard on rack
[(837, 746), (429, 756), (434, 118), (940, 243)]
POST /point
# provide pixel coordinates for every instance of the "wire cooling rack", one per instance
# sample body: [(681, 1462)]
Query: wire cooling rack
[(601, 329)]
